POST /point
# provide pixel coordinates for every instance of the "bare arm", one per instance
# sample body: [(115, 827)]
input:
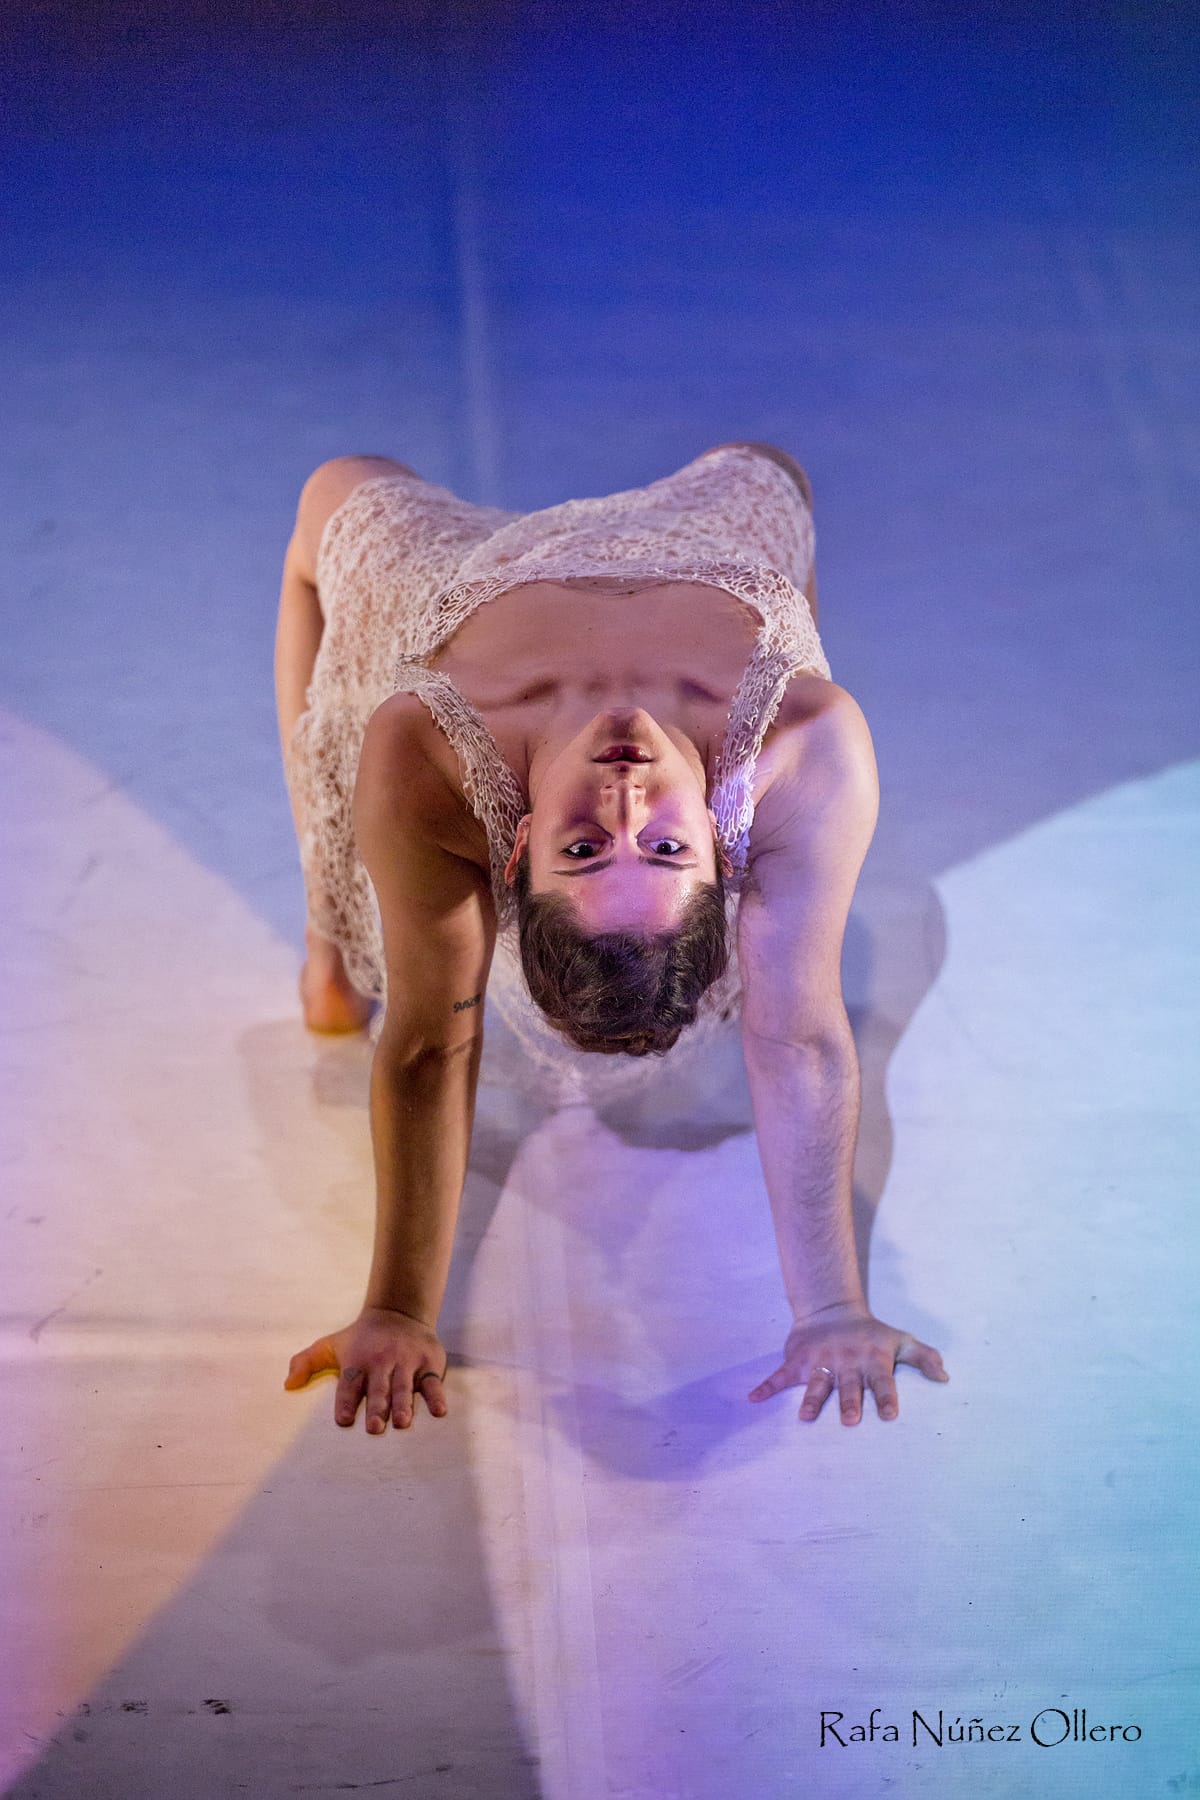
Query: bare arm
[(439, 934), (811, 833)]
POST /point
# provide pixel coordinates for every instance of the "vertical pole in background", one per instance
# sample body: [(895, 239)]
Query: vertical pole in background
[(460, 73)]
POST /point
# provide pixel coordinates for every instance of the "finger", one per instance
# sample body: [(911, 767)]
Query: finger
[(348, 1395), (307, 1363), (820, 1385), (402, 1400), (433, 1393), (379, 1400), (887, 1401), (850, 1394), (923, 1357), (771, 1385)]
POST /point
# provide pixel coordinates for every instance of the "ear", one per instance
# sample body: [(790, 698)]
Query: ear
[(510, 871)]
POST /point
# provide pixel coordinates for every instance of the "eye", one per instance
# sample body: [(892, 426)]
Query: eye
[(663, 847), (586, 844)]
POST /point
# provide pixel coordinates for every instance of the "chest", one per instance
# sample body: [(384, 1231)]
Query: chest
[(678, 649), (601, 624), (684, 644)]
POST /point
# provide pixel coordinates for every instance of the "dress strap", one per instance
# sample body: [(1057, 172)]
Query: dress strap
[(783, 649), (492, 790)]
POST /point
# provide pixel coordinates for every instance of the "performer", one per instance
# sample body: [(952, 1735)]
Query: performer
[(565, 758)]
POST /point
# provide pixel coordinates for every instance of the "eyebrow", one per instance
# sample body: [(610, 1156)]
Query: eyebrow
[(594, 868)]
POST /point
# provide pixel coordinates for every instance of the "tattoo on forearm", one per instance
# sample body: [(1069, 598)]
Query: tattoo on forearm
[(462, 1005)]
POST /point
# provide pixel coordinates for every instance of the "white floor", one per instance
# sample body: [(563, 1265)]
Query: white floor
[(605, 1575)]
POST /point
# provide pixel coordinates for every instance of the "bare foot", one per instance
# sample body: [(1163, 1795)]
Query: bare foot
[(330, 1000)]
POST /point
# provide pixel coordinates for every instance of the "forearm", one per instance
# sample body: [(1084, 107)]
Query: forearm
[(806, 1111), (422, 1112)]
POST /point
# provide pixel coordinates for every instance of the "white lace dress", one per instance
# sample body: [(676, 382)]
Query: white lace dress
[(402, 562)]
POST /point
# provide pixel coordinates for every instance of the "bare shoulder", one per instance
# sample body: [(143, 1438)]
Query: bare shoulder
[(808, 840), (436, 908), (326, 488), (408, 774), (818, 771), (817, 719)]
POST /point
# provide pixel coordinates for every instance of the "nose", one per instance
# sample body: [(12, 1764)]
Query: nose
[(624, 792)]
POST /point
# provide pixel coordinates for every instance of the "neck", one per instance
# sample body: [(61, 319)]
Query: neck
[(575, 706)]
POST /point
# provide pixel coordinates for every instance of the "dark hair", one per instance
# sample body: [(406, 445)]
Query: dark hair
[(620, 992)]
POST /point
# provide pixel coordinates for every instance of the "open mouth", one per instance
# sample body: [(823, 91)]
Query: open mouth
[(623, 753)]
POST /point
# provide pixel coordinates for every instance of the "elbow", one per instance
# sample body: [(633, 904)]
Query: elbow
[(404, 1053), (828, 1041)]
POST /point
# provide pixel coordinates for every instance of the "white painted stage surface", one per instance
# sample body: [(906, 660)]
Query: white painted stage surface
[(952, 267), (604, 1573)]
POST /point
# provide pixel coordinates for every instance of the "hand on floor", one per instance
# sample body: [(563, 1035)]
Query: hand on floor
[(848, 1350), (386, 1356)]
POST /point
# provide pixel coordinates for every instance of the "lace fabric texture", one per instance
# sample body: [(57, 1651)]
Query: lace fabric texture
[(403, 562)]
